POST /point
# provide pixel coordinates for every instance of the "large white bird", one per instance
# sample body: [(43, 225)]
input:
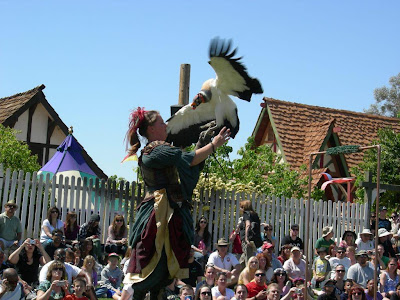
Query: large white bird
[(213, 103)]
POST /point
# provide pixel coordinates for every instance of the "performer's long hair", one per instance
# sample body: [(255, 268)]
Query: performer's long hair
[(139, 120)]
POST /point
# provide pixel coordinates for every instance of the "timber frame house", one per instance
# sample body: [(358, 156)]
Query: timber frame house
[(295, 130), (41, 127)]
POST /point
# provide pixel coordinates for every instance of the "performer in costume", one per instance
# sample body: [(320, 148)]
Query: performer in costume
[(163, 230)]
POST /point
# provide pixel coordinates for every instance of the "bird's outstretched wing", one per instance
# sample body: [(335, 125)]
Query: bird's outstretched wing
[(185, 126), (232, 77)]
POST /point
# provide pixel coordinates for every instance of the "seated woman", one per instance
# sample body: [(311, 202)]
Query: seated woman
[(265, 265), (281, 278), (203, 293), (71, 228), (202, 241), (52, 222), (220, 289), (89, 265), (27, 259), (285, 253), (92, 230), (247, 274), (117, 236), (389, 279), (87, 248), (56, 284)]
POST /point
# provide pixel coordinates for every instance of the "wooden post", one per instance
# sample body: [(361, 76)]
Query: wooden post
[(184, 82)]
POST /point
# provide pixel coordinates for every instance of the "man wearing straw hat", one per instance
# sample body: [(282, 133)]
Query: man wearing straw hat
[(326, 240), (225, 262), (10, 226)]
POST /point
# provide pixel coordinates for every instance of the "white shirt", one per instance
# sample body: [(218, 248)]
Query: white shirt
[(334, 261), (216, 293), (72, 271), (227, 263), (43, 236), (293, 270), (369, 245)]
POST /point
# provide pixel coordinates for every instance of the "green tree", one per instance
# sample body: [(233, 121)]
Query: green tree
[(387, 99), (258, 169), (390, 165), (15, 154)]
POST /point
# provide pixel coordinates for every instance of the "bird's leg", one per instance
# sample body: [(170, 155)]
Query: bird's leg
[(206, 135)]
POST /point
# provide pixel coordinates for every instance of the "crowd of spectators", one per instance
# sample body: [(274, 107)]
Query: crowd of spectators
[(68, 261)]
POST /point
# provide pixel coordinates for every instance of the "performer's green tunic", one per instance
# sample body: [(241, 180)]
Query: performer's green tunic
[(163, 230)]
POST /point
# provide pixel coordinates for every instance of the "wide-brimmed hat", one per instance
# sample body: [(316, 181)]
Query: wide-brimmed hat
[(366, 231), (383, 232), (349, 232), (222, 242), (326, 230), (362, 252), (11, 202)]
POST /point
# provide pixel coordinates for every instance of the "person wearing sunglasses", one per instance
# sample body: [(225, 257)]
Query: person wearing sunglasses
[(203, 293), (357, 293), (293, 237), (117, 241), (52, 222), (339, 277), (389, 278), (281, 278), (202, 241), (361, 272), (71, 270), (224, 261), (56, 285), (340, 259), (10, 227), (257, 288)]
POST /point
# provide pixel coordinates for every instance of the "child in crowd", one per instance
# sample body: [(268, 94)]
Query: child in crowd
[(348, 284), (111, 276), (79, 290), (321, 268)]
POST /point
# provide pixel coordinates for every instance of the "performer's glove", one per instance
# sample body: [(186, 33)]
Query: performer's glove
[(206, 135)]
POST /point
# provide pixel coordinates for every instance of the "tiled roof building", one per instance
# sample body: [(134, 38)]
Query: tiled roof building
[(295, 130)]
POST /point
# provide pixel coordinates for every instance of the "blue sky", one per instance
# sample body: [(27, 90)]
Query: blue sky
[(100, 59)]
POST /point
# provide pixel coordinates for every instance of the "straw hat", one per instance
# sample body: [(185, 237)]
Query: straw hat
[(11, 202)]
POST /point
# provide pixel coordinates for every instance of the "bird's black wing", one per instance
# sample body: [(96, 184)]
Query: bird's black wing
[(232, 76)]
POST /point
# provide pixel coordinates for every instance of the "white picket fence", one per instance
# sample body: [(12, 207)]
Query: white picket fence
[(35, 195)]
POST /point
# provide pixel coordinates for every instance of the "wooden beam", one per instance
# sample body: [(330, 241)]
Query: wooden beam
[(51, 125), (30, 116), (184, 83)]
